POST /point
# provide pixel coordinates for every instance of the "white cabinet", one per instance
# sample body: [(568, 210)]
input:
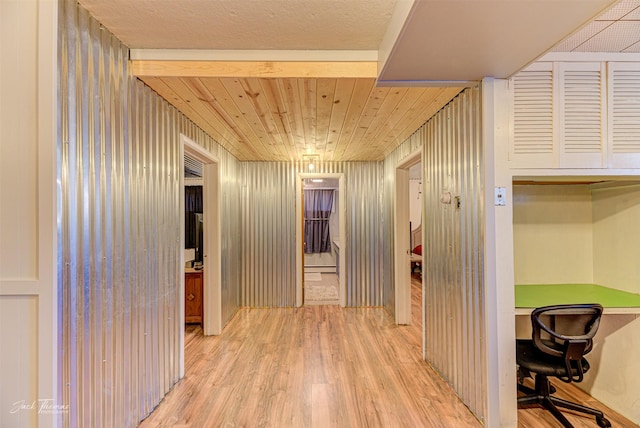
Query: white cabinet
[(575, 115), (580, 108), (624, 114), (532, 124)]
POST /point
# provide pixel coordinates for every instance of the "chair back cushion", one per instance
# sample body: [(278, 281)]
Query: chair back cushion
[(566, 332), (555, 326)]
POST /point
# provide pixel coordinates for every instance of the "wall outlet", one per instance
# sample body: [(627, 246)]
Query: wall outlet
[(501, 196)]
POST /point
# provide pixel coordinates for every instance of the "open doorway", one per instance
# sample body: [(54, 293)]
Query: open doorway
[(408, 258), (321, 241), (321, 244), (207, 242)]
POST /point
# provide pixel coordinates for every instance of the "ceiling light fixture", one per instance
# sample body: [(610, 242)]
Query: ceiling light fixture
[(311, 160)]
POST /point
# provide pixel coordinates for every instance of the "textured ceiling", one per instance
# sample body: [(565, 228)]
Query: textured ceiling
[(245, 24), (223, 63), (617, 30)]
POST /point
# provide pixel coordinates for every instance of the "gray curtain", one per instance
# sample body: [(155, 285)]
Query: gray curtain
[(192, 205), (318, 205)]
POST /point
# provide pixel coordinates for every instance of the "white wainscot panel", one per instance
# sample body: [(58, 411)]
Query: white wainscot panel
[(18, 361)]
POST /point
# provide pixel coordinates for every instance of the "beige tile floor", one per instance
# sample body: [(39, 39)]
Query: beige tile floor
[(322, 292)]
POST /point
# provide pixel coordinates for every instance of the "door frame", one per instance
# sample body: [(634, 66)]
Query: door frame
[(212, 276), (342, 213), (402, 252)]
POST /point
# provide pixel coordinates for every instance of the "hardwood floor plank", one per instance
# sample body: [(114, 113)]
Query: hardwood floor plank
[(314, 365), (320, 366), (321, 411)]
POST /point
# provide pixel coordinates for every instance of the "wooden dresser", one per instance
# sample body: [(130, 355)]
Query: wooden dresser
[(193, 296)]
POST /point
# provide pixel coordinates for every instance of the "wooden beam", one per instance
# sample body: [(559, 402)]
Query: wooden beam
[(308, 69)]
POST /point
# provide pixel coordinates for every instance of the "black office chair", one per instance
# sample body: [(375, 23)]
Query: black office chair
[(562, 335)]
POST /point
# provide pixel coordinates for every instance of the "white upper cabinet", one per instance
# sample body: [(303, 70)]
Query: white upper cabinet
[(532, 142), (576, 115), (580, 112), (624, 114)]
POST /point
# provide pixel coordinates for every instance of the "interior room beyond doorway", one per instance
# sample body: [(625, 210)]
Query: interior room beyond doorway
[(321, 240), (415, 227)]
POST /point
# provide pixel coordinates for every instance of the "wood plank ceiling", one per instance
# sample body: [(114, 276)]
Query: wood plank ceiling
[(278, 79), (281, 119)]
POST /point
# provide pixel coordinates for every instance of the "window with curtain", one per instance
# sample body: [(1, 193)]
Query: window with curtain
[(192, 205), (318, 205)]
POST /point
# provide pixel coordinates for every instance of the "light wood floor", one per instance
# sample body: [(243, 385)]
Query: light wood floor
[(318, 366), (535, 417)]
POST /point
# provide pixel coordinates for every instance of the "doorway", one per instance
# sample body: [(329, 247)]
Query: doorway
[(211, 281), (408, 236), (318, 271), (321, 241)]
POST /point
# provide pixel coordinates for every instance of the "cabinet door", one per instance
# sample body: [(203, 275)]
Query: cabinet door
[(559, 116), (532, 122), (193, 298), (624, 115), (580, 110)]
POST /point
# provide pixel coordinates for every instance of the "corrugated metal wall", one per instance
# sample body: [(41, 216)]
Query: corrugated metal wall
[(269, 231), (411, 145), (118, 226), (230, 216), (365, 264), (119, 232), (454, 247), (268, 235)]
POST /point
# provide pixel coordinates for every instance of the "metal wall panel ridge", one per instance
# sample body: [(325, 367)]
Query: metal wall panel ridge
[(365, 238), (230, 216), (269, 231), (454, 246), (268, 234), (409, 146), (118, 230)]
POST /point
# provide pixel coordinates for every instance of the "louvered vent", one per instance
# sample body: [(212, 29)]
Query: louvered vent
[(582, 111), (533, 112), (626, 111), (192, 167)]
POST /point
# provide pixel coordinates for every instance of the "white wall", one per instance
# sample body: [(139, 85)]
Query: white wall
[(501, 308), (587, 234), (552, 234), (28, 330), (515, 260), (616, 237), (577, 233)]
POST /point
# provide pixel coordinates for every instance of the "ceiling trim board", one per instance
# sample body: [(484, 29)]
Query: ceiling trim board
[(426, 83), (253, 55), (589, 57), (283, 69)]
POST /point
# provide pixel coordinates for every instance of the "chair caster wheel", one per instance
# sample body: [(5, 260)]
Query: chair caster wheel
[(603, 422)]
